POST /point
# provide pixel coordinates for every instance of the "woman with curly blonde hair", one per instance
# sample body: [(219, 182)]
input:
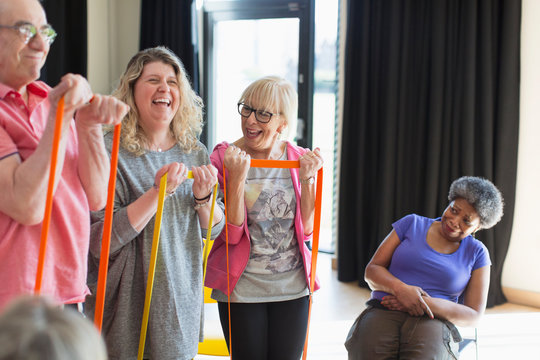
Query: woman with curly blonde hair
[(159, 135), (186, 125)]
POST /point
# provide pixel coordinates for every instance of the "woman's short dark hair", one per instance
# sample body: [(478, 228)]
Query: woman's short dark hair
[(486, 199)]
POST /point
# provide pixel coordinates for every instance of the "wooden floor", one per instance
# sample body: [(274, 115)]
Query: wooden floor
[(506, 332)]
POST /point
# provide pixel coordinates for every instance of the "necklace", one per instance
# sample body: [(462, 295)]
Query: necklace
[(158, 148), (155, 148)]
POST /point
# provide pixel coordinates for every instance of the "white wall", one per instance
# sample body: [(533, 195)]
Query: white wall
[(98, 46), (113, 38), (522, 266)]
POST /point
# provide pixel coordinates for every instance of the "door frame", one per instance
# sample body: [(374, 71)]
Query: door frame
[(304, 10)]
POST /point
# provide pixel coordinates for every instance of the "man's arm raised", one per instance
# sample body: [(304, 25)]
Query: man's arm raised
[(94, 163), (24, 183)]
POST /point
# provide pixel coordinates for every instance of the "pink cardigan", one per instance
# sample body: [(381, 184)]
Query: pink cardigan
[(239, 240)]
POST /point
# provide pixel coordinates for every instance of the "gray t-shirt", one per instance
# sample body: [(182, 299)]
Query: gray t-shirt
[(176, 312), (275, 270)]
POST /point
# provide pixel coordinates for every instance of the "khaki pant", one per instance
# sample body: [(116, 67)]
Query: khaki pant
[(379, 334)]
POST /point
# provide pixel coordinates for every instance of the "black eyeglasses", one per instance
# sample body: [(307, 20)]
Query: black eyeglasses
[(28, 31), (260, 115)]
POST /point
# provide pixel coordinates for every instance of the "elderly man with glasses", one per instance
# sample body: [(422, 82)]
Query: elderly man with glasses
[(27, 119)]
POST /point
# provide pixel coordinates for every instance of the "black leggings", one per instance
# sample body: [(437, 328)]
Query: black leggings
[(266, 331)]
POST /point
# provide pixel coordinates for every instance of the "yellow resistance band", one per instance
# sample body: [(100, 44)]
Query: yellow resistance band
[(153, 256)]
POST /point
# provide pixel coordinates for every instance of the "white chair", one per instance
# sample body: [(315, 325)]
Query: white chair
[(469, 337)]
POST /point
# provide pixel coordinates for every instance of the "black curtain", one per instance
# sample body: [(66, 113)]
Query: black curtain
[(172, 23), (431, 94), (68, 53)]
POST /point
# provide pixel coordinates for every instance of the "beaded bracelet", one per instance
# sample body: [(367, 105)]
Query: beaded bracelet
[(198, 205), (205, 199)]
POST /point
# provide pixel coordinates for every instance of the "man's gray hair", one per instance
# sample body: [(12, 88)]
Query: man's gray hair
[(486, 199)]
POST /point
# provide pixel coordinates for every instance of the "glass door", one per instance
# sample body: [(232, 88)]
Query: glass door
[(248, 50), (246, 40)]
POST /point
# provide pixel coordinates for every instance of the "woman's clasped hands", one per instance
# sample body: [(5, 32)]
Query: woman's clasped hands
[(410, 299)]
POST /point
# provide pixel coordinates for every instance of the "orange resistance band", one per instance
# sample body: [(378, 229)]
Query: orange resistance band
[(107, 229), (314, 251), (281, 164), (50, 191)]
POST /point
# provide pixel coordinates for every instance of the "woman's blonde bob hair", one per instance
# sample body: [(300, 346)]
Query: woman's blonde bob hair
[(273, 94), (32, 327), (186, 125)]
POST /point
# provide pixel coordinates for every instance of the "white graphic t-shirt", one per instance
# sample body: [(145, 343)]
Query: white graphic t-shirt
[(275, 270), (271, 206)]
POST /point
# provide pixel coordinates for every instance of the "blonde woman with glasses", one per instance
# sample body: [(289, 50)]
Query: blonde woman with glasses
[(270, 222)]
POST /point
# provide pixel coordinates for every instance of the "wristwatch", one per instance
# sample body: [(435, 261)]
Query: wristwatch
[(309, 181)]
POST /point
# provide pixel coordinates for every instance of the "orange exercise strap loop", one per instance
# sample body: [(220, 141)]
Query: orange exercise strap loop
[(314, 251), (281, 164), (50, 190), (107, 229)]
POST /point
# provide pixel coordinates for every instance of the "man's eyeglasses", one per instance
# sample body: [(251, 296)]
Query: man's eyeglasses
[(260, 115), (28, 31)]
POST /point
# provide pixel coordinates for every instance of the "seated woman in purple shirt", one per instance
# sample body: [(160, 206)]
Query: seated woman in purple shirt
[(426, 276)]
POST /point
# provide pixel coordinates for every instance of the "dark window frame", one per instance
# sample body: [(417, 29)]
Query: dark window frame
[(304, 10)]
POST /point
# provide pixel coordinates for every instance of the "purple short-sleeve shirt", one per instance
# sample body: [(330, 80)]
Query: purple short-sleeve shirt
[(441, 275)]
